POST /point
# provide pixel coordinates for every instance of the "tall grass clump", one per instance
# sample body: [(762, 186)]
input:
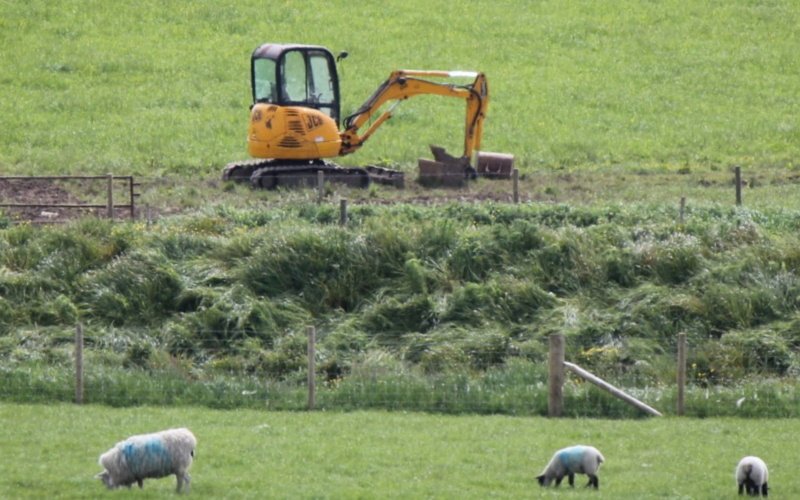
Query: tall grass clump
[(328, 268), (221, 318), (140, 288)]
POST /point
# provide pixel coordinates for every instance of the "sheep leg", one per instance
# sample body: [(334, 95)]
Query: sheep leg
[(764, 489), (183, 477), (572, 480), (558, 479), (140, 482), (593, 481)]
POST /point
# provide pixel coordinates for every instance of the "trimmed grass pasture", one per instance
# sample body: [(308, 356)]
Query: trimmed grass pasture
[(155, 88), (51, 452)]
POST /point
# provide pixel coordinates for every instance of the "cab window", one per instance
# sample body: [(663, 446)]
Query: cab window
[(321, 81), (321, 84), (265, 86), (294, 77)]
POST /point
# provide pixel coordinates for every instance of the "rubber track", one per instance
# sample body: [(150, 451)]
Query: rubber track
[(269, 174)]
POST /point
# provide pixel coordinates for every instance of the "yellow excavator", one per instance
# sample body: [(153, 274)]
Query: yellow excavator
[(295, 117)]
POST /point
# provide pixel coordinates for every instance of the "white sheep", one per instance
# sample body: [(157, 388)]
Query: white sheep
[(752, 473), (570, 461), (149, 456)]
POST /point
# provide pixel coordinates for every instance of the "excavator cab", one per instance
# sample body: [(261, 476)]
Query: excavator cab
[(295, 112), (296, 75)]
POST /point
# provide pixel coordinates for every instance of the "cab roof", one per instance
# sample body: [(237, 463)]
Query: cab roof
[(274, 50)]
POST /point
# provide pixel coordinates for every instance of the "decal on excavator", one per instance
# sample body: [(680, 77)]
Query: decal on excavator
[(313, 122)]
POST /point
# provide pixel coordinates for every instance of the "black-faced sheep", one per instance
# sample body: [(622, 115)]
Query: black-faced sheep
[(752, 474), (149, 456), (570, 461)]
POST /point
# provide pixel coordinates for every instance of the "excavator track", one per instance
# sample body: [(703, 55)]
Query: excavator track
[(271, 174)]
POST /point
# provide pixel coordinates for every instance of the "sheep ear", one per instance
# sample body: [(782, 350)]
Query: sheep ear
[(540, 479)]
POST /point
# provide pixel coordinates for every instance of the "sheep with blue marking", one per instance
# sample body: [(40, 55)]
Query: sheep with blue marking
[(752, 474), (578, 459), (147, 456)]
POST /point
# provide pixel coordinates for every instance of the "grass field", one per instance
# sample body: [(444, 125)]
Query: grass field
[(615, 109), (153, 88), (51, 452)]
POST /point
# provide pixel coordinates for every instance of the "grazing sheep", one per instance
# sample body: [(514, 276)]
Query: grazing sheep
[(149, 456), (751, 473), (570, 461)]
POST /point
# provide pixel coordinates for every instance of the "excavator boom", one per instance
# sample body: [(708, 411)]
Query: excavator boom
[(403, 84)]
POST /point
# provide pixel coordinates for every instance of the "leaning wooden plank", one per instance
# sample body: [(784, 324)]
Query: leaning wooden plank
[(610, 388)]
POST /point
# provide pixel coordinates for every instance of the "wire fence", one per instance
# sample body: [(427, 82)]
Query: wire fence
[(51, 203), (508, 377), (51, 199)]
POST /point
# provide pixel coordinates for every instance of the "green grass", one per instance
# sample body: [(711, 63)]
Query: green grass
[(152, 88), (615, 111), (51, 452), (444, 294)]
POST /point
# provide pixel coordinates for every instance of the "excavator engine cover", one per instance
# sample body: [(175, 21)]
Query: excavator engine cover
[(295, 133)]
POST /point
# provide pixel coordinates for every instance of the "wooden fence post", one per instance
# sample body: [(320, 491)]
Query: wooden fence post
[(312, 369), (683, 208), (555, 402), (515, 178), (343, 212), (681, 372), (320, 185), (133, 197), (111, 196), (79, 364), (738, 186)]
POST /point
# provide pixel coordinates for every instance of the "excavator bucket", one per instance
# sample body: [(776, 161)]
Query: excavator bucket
[(495, 165), (445, 169), (453, 171)]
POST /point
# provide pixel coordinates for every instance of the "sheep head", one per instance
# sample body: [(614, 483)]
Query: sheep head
[(106, 478)]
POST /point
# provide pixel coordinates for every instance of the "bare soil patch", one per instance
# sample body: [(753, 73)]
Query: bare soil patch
[(42, 196)]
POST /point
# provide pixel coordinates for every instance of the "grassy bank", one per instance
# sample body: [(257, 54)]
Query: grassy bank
[(428, 296)]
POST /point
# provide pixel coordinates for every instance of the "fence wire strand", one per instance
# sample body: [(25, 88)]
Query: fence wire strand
[(252, 372)]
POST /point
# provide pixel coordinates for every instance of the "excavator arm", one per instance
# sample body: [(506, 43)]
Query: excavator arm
[(403, 84)]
